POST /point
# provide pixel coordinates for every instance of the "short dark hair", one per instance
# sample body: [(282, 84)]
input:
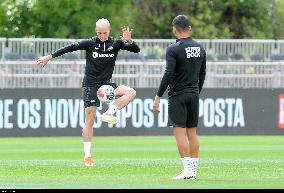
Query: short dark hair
[(181, 23)]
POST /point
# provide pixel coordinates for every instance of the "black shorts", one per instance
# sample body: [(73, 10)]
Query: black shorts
[(89, 94), (184, 110)]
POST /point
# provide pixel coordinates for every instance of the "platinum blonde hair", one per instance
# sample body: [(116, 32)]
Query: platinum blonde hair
[(102, 22)]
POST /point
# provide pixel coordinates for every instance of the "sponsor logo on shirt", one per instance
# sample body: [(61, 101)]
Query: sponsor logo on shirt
[(97, 55), (192, 52)]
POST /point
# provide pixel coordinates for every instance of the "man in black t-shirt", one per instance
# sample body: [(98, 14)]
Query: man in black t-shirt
[(184, 77), (101, 53)]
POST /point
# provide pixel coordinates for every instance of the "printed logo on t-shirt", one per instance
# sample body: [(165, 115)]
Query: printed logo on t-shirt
[(97, 55), (192, 52)]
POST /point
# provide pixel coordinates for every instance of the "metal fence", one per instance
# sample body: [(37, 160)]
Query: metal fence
[(151, 49), (138, 74), (245, 75), (247, 47), (242, 63), (2, 47)]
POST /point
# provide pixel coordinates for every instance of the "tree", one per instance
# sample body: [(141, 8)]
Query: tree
[(61, 19), (149, 18), (210, 18), (246, 19), (277, 16), (15, 18)]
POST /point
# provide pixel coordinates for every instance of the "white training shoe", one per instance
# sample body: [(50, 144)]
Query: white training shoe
[(109, 119), (185, 175)]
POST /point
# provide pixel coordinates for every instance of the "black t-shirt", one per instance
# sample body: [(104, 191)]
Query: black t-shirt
[(185, 68), (100, 57)]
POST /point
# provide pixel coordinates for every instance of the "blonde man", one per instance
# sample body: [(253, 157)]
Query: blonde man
[(101, 53)]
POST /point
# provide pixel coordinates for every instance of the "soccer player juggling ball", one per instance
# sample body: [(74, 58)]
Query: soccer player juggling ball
[(101, 53)]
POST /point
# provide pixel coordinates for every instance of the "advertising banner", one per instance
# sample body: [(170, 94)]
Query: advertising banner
[(60, 112)]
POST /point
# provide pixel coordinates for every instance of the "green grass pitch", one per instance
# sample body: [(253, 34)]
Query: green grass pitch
[(141, 162)]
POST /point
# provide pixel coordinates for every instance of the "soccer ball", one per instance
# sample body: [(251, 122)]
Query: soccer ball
[(106, 94)]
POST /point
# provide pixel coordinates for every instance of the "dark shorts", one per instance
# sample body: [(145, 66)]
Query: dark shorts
[(89, 94), (184, 110)]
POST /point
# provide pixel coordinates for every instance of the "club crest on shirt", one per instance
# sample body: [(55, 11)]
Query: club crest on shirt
[(110, 48)]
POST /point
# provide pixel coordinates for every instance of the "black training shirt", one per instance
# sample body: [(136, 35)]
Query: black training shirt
[(100, 57), (185, 68)]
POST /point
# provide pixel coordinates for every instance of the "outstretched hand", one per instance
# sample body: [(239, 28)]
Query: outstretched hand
[(126, 33), (44, 60), (156, 104)]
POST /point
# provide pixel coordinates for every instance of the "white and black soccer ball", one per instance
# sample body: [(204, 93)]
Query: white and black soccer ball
[(106, 94)]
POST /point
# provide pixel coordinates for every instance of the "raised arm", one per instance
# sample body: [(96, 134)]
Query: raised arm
[(128, 43), (82, 45)]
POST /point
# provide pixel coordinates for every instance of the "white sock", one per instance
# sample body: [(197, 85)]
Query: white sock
[(87, 148), (111, 110), (184, 163), (191, 163), (194, 162)]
